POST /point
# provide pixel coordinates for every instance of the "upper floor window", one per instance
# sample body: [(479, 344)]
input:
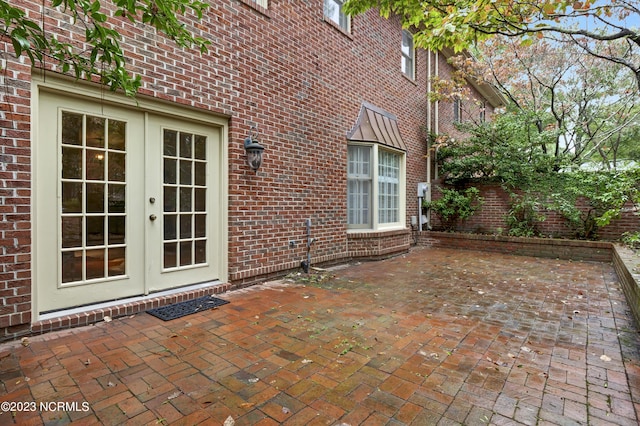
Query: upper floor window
[(262, 3), (333, 10), (408, 54), (457, 110)]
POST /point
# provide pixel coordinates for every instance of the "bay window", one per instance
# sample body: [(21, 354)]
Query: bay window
[(375, 187)]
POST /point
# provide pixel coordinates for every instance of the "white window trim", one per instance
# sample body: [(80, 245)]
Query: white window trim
[(376, 226)]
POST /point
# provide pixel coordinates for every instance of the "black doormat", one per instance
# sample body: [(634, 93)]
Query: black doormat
[(189, 307)]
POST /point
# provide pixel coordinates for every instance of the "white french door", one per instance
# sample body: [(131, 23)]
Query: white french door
[(184, 204), (127, 203)]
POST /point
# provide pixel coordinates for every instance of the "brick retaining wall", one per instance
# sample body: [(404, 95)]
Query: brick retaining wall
[(627, 266), (597, 251)]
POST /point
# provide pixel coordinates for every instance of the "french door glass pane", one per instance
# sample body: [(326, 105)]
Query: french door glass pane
[(92, 179), (184, 192)]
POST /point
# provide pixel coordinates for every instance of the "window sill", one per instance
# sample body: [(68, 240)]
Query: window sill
[(338, 28), (255, 6), (375, 233)]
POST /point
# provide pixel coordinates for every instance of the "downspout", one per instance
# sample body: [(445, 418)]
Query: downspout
[(306, 264), (428, 103), (429, 141), (436, 116)]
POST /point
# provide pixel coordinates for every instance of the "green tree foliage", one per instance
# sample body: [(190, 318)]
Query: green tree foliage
[(455, 205), (102, 54), (507, 151), (460, 24), (591, 103)]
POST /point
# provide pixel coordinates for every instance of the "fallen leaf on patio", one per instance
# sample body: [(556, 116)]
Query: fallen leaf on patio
[(605, 358), (229, 421), (174, 395), (25, 342), (246, 405), (107, 318)]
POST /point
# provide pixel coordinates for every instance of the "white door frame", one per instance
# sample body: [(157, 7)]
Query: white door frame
[(93, 93)]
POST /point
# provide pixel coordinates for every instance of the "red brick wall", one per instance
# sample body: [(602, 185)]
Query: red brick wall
[(15, 195), (490, 218), (300, 79)]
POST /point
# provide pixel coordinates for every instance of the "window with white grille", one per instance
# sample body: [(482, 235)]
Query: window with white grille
[(375, 178)]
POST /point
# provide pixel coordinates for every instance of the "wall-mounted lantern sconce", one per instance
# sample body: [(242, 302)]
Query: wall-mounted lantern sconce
[(253, 149)]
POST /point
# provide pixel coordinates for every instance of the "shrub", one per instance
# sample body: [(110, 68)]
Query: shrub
[(632, 239), (524, 215), (454, 206)]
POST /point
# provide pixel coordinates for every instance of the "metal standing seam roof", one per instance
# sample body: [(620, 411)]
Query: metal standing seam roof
[(377, 125)]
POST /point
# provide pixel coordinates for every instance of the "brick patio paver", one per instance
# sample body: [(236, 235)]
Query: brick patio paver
[(433, 337)]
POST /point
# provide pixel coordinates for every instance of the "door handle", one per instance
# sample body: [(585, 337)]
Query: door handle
[(152, 217)]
